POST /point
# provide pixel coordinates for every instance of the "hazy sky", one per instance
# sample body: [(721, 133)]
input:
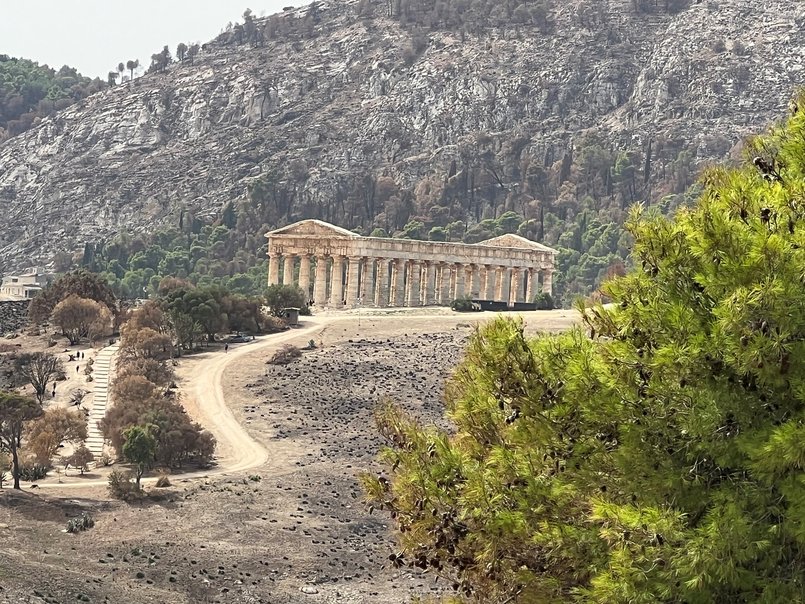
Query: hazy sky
[(95, 35)]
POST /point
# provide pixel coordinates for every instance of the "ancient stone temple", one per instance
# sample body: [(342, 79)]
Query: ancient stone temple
[(338, 268)]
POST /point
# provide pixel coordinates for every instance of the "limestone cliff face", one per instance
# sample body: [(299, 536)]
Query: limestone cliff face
[(353, 98)]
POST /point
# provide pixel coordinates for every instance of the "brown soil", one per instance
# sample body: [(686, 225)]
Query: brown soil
[(292, 529)]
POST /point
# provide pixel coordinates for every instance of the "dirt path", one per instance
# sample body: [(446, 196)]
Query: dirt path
[(200, 380), (201, 383)]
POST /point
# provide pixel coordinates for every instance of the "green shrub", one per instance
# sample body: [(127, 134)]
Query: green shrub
[(544, 301), (33, 471), (464, 305), (81, 523), (121, 487)]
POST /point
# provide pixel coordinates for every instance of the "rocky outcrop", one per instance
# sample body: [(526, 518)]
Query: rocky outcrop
[(351, 97), (13, 316)]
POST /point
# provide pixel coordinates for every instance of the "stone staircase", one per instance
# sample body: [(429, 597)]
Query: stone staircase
[(102, 371)]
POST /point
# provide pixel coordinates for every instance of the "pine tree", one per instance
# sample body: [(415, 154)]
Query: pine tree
[(656, 454)]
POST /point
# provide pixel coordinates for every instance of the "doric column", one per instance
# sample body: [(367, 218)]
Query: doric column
[(352, 281), (320, 287), (337, 282), (368, 282), (517, 285), (500, 275), (475, 282), (382, 283), (547, 281), (445, 289), (430, 283), (304, 275), (398, 282), (529, 292), (274, 269), (507, 286), (287, 269), (423, 282), (458, 292), (414, 276), (489, 288)]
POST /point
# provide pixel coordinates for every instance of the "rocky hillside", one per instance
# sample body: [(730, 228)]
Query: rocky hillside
[(336, 104), (13, 316)]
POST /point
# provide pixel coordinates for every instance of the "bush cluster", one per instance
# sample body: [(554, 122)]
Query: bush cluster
[(285, 355), (143, 396), (82, 523)]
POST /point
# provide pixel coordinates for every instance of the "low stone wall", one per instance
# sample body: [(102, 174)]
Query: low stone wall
[(13, 316)]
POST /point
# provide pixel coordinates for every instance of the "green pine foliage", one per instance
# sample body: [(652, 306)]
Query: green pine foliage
[(203, 255), (656, 454), (30, 92)]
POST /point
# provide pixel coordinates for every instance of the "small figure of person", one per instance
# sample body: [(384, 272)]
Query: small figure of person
[(226, 348), (77, 367)]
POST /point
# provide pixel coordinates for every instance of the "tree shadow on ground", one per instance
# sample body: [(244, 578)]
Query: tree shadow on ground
[(39, 506)]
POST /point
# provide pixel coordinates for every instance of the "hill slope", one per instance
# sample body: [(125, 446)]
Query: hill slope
[(561, 112)]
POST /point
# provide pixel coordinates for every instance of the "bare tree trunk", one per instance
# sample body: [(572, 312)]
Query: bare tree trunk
[(15, 466)]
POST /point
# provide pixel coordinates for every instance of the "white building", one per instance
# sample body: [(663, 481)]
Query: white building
[(24, 286)]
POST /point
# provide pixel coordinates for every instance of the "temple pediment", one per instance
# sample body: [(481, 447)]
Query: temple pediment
[(517, 242), (314, 228)]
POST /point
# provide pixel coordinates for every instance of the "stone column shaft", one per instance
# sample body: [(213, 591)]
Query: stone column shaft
[(398, 282), (430, 284), (458, 292), (547, 281), (445, 289), (274, 269), (287, 270), (529, 292), (320, 286), (500, 274), (516, 294), (368, 282), (382, 283), (414, 282), (337, 282), (475, 282), (507, 286), (352, 282), (489, 288), (304, 275)]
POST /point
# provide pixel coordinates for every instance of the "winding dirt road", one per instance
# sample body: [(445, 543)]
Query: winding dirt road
[(204, 399), (201, 384), (203, 396)]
